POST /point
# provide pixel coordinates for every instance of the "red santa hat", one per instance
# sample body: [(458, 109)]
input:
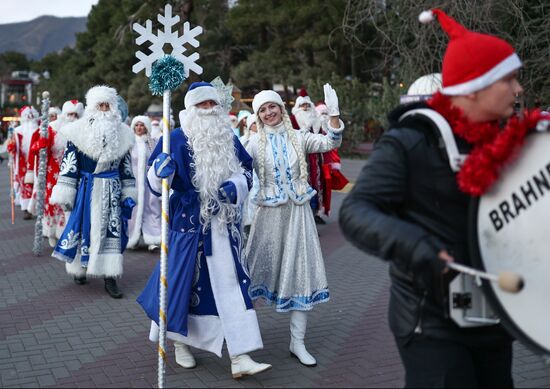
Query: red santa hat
[(303, 98), (72, 106), (472, 61), (27, 113)]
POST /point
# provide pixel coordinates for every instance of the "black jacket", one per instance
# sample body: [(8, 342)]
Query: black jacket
[(405, 207)]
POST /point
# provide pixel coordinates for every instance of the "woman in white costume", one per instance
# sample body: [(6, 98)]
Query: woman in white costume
[(283, 250), (144, 226)]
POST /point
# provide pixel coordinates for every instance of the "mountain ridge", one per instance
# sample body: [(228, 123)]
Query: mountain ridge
[(41, 36)]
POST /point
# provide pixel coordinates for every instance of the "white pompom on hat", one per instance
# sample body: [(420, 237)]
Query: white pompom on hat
[(72, 106), (143, 119), (199, 92), (266, 96), (472, 61), (102, 94)]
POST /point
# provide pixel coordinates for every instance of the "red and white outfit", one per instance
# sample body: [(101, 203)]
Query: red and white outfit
[(20, 152), (55, 144), (324, 168)]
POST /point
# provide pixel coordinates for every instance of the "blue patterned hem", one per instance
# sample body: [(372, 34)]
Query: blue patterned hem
[(286, 304)]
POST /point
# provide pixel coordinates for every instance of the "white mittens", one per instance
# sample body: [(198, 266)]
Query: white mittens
[(331, 100)]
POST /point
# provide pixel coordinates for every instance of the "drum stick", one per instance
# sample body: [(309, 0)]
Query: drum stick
[(508, 281)]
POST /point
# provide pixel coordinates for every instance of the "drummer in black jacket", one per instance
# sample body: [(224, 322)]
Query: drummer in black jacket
[(409, 207)]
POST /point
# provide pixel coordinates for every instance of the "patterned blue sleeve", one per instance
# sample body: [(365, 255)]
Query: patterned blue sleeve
[(155, 153), (64, 191), (127, 179), (69, 169), (246, 161)]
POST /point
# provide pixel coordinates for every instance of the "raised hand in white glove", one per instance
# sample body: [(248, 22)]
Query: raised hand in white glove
[(331, 100)]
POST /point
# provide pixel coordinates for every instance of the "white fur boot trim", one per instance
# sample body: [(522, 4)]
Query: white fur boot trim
[(184, 358), (242, 365), (74, 268), (298, 324)]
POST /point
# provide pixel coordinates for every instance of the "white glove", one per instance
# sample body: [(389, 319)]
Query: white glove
[(331, 100)]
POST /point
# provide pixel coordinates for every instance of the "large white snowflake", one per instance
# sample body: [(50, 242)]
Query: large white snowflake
[(167, 37)]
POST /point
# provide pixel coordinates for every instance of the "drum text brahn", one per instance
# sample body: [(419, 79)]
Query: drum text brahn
[(521, 199)]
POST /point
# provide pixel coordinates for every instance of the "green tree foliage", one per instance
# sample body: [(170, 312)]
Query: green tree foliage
[(288, 42), (12, 60)]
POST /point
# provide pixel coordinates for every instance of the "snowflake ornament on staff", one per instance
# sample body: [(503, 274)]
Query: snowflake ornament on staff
[(166, 72)]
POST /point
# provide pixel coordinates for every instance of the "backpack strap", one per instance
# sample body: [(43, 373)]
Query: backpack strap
[(456, 160)]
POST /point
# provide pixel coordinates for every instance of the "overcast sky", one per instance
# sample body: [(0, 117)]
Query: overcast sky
[(13, 11)]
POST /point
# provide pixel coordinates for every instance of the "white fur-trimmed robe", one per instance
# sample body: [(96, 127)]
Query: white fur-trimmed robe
[(146, 214), (107, 195)]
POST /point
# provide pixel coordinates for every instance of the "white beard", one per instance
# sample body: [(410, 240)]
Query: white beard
[(308, 119), (212, 146), (103, 134), (26, 129)]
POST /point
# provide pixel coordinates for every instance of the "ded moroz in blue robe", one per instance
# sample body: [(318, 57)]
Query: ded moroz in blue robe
[(208, 279)]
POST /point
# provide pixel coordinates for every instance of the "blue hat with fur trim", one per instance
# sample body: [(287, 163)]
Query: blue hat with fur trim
[(199, 92)]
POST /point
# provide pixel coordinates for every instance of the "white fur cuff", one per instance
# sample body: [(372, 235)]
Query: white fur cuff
[(63, 195), (338, 130), (129, 191), (29, 177), (239, 180)]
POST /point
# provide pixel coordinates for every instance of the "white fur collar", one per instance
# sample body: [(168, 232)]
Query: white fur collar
[(75, 132)]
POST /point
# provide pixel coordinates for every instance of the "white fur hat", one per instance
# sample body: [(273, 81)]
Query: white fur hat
[(199, 92), (54, 111), (426, 85), (303, 100), (250, 120), (102, 94), (144, 119), (266, 96), (73, 106), (243, 114)]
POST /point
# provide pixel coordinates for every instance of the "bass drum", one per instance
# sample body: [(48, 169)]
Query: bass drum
[(510, 231)]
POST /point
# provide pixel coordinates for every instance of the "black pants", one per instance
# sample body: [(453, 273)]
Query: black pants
[(436, 363)]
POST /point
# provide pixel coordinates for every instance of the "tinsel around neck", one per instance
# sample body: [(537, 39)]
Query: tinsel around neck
[(493, 146)]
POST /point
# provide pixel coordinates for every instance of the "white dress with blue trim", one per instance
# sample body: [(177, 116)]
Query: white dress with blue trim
[(283, 250)]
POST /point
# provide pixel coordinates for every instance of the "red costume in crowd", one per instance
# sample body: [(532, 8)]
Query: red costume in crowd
[(19, 149), (324, 168)]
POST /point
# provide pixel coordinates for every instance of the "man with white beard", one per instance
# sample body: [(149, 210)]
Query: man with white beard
[(210, 174), (55, 143), (308, 119), (97, 183), (19, 146)]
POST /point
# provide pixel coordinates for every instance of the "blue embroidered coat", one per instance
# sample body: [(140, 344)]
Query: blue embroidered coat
[(100, 193), (189, 286)]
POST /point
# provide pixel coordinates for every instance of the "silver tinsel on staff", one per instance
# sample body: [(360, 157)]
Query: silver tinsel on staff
[(41, 179)]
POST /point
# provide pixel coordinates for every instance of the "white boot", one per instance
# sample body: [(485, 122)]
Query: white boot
[(184, 358), (242, 365), (298, 323)]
